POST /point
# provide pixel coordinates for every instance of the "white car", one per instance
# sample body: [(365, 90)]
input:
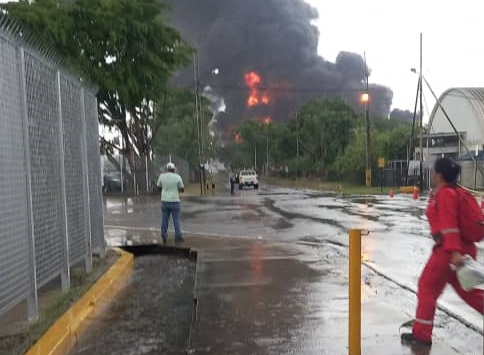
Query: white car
[(248, 178)]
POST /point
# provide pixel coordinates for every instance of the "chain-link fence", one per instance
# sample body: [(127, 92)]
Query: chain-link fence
[(51, 208), (120, 177)]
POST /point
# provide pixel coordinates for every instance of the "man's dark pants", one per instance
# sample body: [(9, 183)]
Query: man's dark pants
[(172, 208)]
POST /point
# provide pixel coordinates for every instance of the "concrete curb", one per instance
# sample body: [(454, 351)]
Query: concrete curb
[(63, 334)]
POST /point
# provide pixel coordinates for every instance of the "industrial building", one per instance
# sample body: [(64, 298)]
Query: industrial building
[(465, 108)]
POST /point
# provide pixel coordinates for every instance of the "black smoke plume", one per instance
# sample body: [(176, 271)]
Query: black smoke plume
[(403, 115), (276, 39)]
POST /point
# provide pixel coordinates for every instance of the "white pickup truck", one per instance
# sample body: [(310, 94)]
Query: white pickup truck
[(248, 178)]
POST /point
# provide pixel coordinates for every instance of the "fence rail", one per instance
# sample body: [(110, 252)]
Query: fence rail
[(51, 210)]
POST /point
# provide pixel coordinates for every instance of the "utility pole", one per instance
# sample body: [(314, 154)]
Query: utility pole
[(267, 155), (297, 142), (411, 150), (255, 155), (366, 99), (202, 118), (197, 114), (421, 180), (201, 143)]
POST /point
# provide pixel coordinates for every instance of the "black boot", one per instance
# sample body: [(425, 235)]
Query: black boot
[(408, 339)]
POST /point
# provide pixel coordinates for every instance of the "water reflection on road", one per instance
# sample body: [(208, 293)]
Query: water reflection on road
[(397, 246)]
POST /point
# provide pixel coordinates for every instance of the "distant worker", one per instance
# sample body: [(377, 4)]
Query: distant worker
[(451, 212), (213, 185), (171, 184), (232, 182)]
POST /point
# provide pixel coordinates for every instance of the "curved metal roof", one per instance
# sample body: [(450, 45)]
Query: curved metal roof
[(475, 97)]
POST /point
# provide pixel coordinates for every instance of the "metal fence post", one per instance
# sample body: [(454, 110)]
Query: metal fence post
[(146, 172), (65, 273), (32, 300), (354, 293), (85, 181)]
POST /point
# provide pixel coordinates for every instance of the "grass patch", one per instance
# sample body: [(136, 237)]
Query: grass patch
[(220, 181), (302, 183), (192, 189), (363, 190), (315, 184), (52, 304)]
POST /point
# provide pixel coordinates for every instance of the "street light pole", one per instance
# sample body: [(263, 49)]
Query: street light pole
[(367, 119), (421, 180)]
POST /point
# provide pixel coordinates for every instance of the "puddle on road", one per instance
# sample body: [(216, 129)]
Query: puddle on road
[(152, 315), (270, 205), (364, 200)]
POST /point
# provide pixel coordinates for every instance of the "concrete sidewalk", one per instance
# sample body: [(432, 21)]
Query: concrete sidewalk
[(265, 298), (257, 297)]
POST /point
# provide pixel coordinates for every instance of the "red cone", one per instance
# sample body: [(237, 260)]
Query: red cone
[(415, 193), (391, 194)]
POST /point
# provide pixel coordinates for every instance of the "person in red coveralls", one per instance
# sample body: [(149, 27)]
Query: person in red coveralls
[(447, 254)]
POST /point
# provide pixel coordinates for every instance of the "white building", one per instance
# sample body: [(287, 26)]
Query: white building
[(465, 108)]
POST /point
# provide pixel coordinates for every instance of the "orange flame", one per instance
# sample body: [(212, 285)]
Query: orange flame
[(238, 138), (252, 100), (252, 80), (267, 120)]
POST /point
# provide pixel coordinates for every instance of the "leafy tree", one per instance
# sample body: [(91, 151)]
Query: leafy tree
[(332, 141), (353, 158), (175, 128), (325, 128), (244, 146), (393, 144), (256, 140), (122, 46), (389, 140), (48, 19)]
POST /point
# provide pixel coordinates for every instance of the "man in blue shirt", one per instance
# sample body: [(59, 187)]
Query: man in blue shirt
[(171, 185)]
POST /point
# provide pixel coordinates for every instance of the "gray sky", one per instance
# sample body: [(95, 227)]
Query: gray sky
[(389, 33)]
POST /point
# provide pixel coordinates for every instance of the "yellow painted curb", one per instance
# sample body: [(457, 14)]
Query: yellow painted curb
[(63, 334)]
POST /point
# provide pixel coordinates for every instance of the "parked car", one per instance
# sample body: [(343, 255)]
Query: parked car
[(112, 182), (248, 178)]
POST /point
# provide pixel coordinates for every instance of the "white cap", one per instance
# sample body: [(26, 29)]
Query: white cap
[(170, 166)]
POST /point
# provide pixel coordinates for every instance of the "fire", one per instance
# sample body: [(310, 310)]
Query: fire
[(252, 80), (238, 138), (252, 101), (267, 120)]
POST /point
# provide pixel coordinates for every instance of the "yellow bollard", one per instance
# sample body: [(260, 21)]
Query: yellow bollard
[(354, 319)]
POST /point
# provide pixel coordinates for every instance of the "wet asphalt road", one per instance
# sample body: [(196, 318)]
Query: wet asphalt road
[(151, 316), (275, 213), (397, 247)]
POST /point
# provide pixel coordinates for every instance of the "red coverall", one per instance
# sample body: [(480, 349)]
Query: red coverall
[(442, 213)]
